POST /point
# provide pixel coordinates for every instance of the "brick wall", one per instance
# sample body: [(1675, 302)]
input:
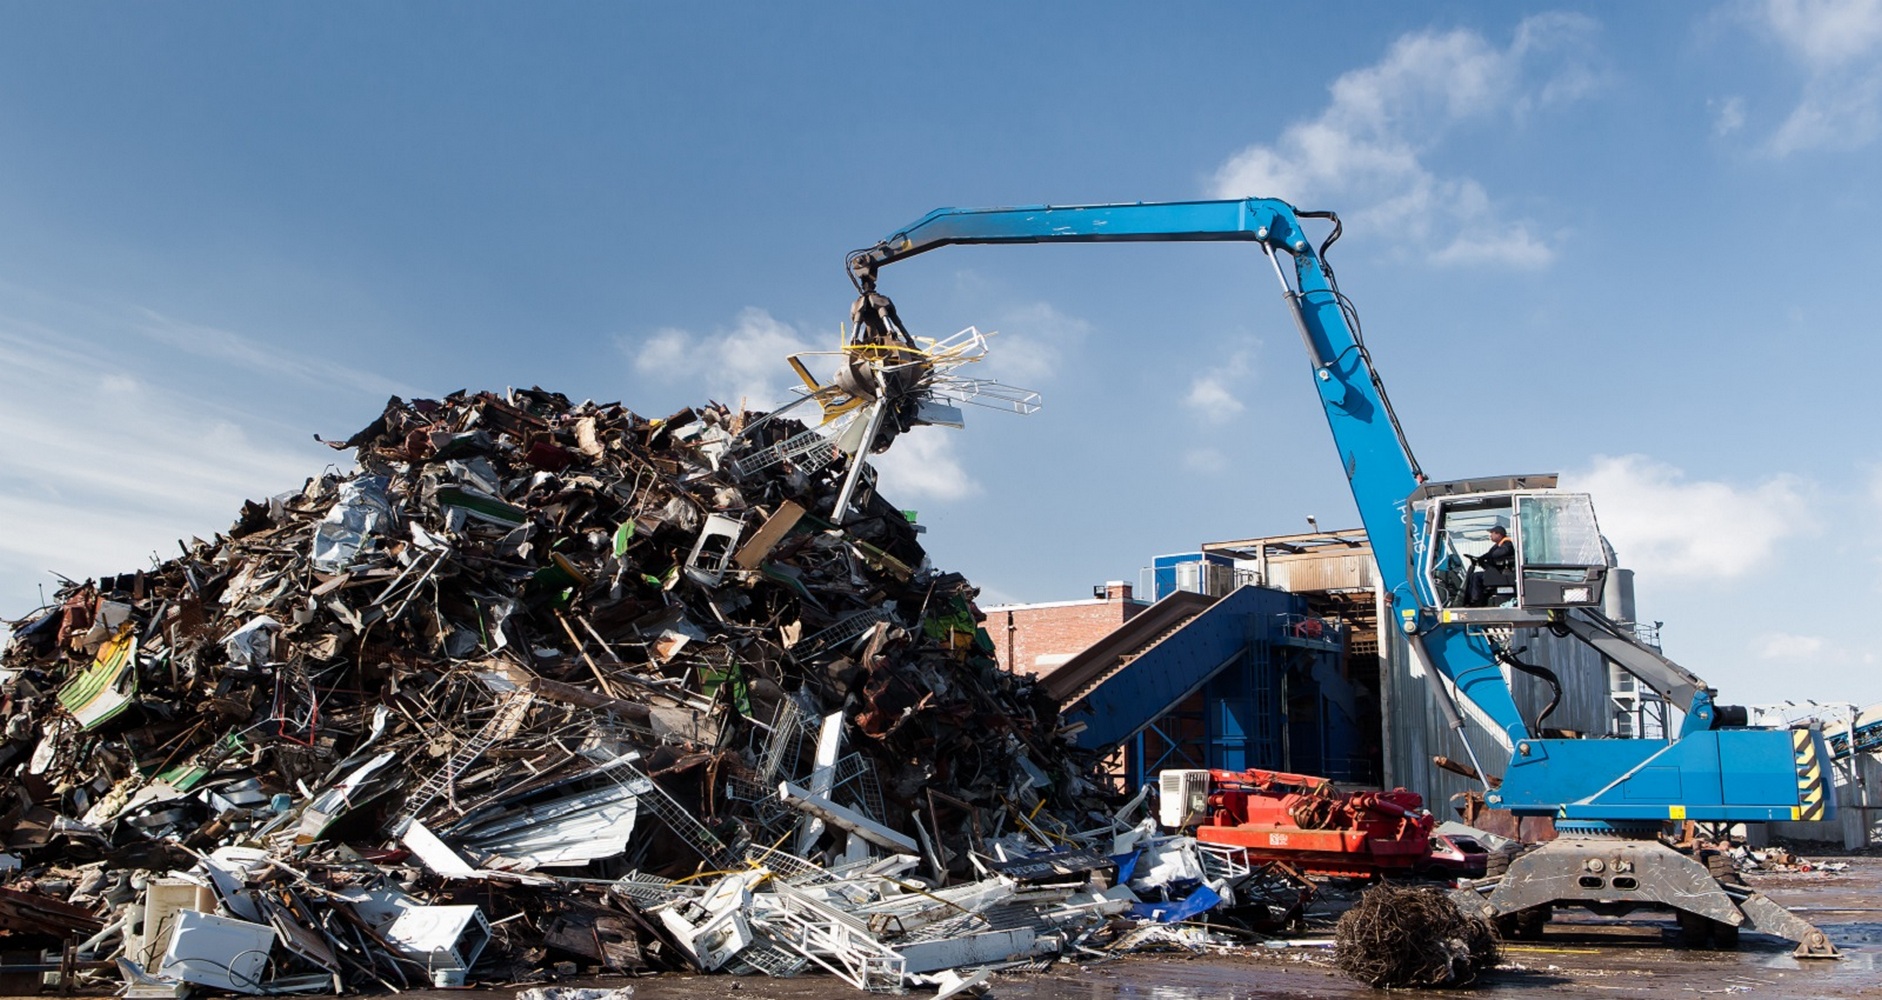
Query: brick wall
[(1023, 634)]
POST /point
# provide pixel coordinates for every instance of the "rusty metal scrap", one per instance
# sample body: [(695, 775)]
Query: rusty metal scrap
[(572, 654)]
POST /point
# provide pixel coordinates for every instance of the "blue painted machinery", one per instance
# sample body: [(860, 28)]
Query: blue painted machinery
[(1468, 566)]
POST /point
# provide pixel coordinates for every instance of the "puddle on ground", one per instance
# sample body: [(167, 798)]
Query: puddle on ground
[(1861, 945)]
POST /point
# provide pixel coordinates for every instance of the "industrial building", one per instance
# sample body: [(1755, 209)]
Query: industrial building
[(1267, 652), (1038, 638)]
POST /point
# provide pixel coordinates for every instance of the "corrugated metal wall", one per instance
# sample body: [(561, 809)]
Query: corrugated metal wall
[(1321, 571), (1415, 730), (1858, 822)]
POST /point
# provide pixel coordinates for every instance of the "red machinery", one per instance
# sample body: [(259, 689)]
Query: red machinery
[(1301, 820)]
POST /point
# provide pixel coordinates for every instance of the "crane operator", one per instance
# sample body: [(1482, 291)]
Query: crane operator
[(1495, 569)]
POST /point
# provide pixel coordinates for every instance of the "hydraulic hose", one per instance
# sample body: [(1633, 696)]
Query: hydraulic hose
[(1543, 674)]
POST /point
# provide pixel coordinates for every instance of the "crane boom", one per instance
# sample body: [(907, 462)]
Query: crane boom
[(1378, 462), (1251, 220)]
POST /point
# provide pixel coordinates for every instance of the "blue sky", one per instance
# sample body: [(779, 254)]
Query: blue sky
[(1633, 243)]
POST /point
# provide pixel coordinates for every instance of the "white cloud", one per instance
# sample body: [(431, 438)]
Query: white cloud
[(743, 364), (1793, 647), (105, 467), (1829, 33), (1844, 116), (1789, 646), (666, 352), (1029, 340), (1212, 400), (1032, 342), (922, 465), (1728, 115), (1206, 461), (1512, 246), (1667, 526), (1213, 395), (229, 348), (1369, 145), (1836, 44)]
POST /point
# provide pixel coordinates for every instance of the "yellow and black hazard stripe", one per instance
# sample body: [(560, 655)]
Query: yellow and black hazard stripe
[(1813, 790)]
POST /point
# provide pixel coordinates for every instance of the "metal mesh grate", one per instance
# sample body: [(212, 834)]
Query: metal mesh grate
[(845, 630), (810, 450), (501, 724)]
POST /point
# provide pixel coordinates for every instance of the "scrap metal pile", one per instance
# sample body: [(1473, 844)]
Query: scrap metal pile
[(541, 688), (1401, 936)]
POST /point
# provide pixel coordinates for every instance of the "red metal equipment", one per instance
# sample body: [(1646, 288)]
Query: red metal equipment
[(1301, 820)]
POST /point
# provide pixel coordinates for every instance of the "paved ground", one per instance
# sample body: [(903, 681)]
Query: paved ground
[(1578, 956)]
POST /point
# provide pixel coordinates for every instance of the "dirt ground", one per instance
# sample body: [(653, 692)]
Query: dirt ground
[(1579, 955)]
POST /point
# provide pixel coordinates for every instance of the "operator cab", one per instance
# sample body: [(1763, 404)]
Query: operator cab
[(1555, 556)]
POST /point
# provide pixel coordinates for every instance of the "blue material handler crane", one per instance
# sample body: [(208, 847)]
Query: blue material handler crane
[(1609, 798)]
